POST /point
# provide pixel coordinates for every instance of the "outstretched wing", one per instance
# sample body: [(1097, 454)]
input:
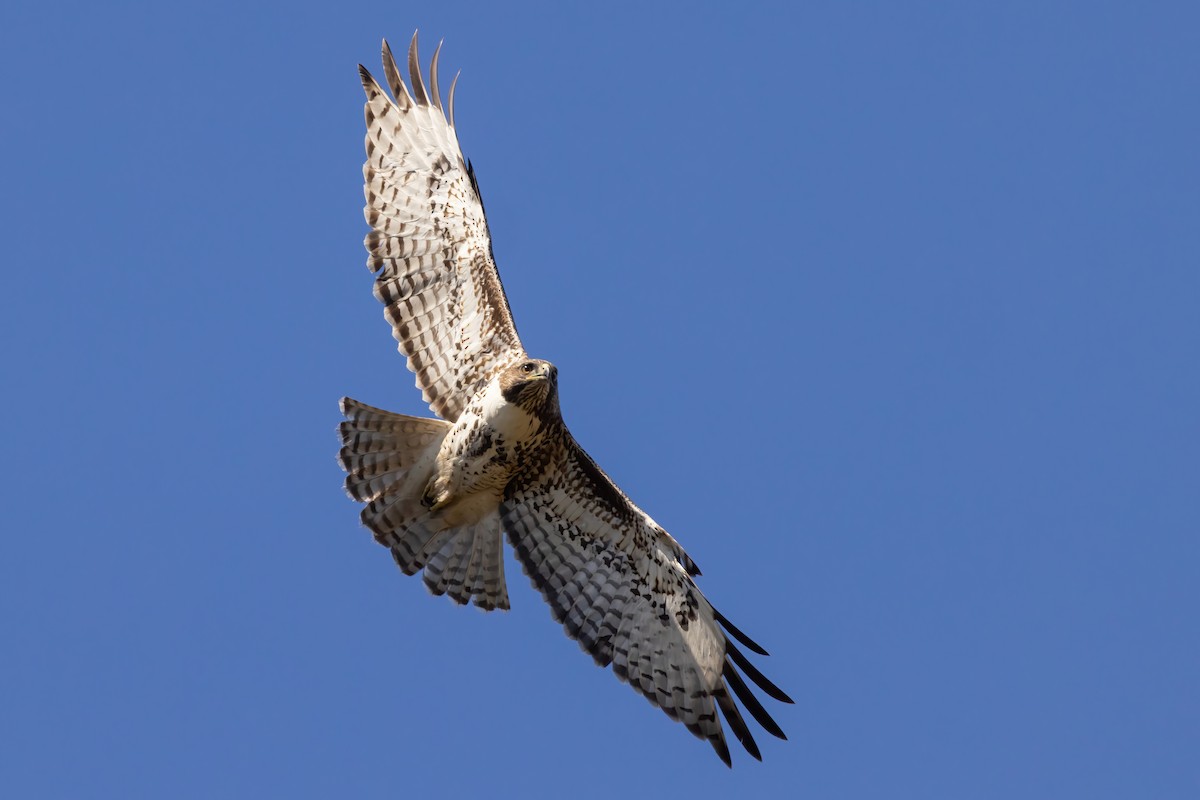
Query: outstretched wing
[(429, 241), (623, 588)]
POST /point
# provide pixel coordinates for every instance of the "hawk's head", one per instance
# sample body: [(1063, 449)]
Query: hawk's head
[(532, 384)]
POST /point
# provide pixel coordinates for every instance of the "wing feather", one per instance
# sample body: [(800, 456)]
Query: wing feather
[(433, 77), (414, 73), (453, 86), (429, 242), (623, 589), (399, 90), (737, 634)]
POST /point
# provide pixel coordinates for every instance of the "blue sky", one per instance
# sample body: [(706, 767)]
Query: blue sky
[(887, 311)]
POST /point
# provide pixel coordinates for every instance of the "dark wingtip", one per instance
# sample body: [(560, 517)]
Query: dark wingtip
[(751, 702), (753, 674), (737, 634), (718, 744), (737, 724)]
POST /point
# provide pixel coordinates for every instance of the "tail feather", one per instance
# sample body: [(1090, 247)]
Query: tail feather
[(388, 459), (367, 481), (468, 565), (489, 586), (438, 569), (369, 418), (401, 523)]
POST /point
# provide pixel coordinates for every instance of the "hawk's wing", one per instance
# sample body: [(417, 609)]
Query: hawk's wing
[(429, 242), (623, 588)]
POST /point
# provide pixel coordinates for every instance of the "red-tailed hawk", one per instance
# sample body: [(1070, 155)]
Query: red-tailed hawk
[(438, 492)]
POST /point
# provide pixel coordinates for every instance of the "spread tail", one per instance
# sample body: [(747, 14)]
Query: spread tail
[(389, 459)]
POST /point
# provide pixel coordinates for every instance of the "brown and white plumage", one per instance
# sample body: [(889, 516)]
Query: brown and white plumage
[(438, 493), (429, 243)]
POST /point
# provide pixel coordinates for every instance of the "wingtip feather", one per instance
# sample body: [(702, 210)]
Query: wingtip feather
[(753, 674), (718, 744), (392, 75), (737, 634), (453, 86), (368, 80), (433, 78), (414, 73), (751, 702), (736, 723)]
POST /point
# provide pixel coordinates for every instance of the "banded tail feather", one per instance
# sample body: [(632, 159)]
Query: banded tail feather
[(388, 459)]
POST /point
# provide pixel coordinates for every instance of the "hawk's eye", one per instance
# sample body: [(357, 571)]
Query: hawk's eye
[(527, 367)]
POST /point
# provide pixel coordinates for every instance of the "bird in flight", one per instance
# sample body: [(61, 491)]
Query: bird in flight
[(499, 460)]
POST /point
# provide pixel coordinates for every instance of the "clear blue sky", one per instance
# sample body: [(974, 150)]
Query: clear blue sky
[(890, 312)]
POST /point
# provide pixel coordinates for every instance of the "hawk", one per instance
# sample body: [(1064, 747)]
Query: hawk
[(439, 492)]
